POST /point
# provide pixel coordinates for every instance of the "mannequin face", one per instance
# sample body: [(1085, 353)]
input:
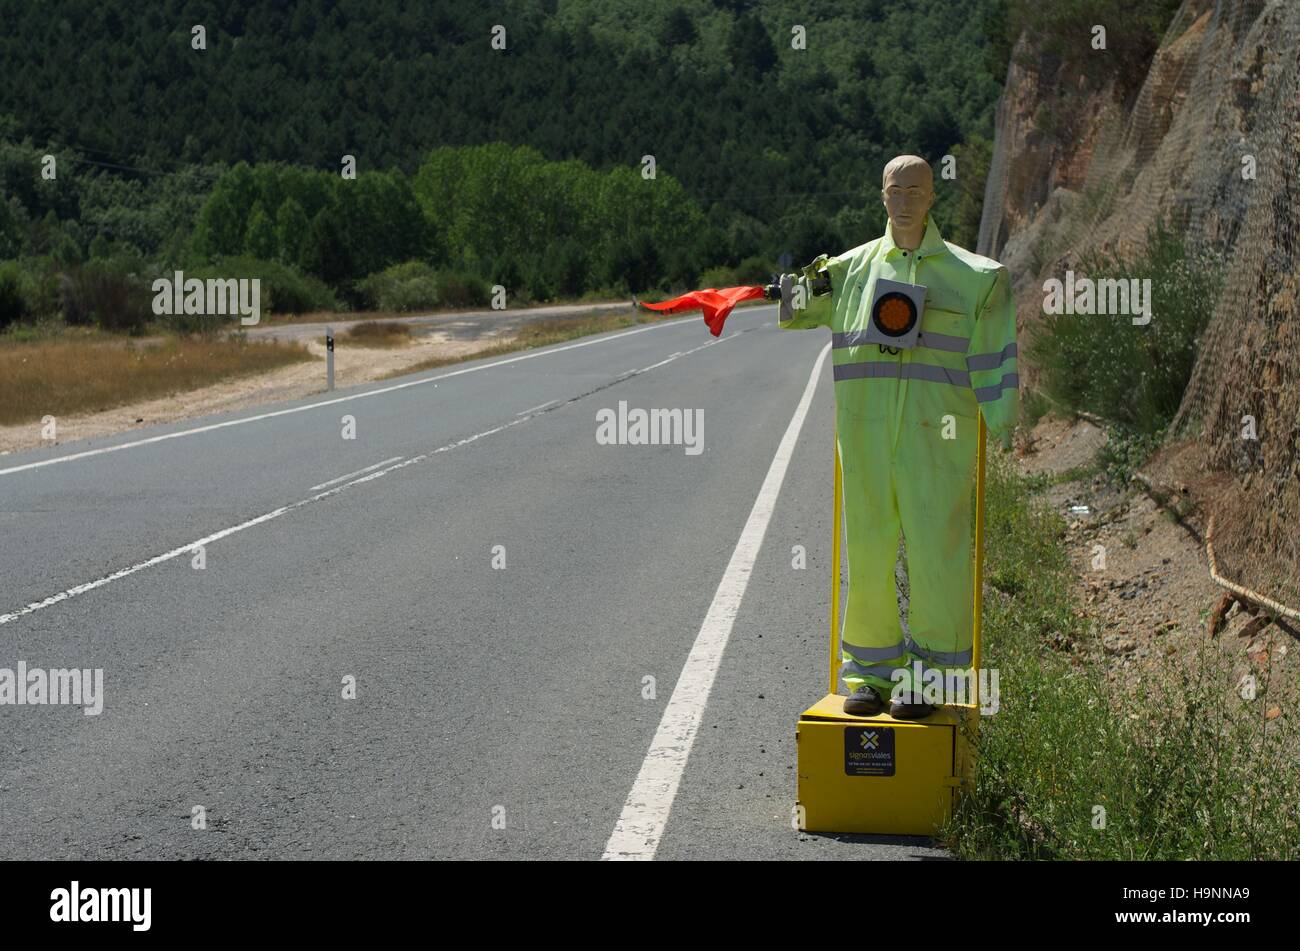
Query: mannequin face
[(908, 194)]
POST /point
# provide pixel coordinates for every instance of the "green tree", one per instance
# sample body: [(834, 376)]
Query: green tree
[(259, 238), (326, 252), (963, 222), (753, 137), (678, 28), (11, 228), (749, 47), (221, 224), (291, 226)]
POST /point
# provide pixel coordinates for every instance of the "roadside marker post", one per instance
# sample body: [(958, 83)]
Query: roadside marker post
[(329, 358), (878, 775)]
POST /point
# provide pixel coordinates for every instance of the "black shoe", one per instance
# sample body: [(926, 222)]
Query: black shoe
[(910, 708), (865, 702)]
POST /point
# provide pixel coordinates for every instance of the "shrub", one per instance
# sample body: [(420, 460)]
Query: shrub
[(722, 276), (110, 292), (458, 289), (634, 263), (1033, 407), (412, 285), (755, 270), (284, 289), (380, 333), (14, 294), (563, 269), (1125, 452), (37, 281), (1132, 375), (752, 270)]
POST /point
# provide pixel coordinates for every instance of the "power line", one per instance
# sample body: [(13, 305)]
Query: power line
[(196, 171)]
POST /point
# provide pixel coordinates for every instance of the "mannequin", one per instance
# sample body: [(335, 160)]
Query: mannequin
[(907, 422)]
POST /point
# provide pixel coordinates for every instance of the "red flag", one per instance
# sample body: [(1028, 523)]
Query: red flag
[(716, 303)]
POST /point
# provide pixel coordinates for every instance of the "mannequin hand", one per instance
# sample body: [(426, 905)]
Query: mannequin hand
[(786, 310)]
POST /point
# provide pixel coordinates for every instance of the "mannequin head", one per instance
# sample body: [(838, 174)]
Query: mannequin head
[(907, 191)]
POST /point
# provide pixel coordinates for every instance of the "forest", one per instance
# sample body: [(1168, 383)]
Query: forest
[(558, 147)]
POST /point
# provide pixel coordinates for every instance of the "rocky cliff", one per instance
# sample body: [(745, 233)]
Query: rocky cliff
[(1208, 141)]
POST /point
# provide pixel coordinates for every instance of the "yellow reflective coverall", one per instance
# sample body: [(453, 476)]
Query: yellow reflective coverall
[(908, 431)]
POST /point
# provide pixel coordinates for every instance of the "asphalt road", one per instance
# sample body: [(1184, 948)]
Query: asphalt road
[(499, 712)]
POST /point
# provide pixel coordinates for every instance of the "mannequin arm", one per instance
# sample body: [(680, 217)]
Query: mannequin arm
[(992, 360)]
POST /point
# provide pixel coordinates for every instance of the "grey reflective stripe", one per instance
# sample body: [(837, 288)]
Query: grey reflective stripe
[(944, 342), (883, 671), (946, 658), (869, 654), (883, 369), (991, 361), (919, 668), (858, 338), (987, 394)]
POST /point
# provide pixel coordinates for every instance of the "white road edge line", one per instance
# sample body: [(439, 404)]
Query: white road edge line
[(276, 513), (357, 473), (340, 399), (639, 828)]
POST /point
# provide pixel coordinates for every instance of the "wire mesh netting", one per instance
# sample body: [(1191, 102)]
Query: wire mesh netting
[(1210, 147)]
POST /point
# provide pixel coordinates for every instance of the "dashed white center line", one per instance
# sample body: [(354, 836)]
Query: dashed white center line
[(537, 407), (275, 414), (379, 471), (357, 473)]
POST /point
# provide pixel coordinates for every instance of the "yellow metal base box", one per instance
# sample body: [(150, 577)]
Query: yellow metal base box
[(880, 775)]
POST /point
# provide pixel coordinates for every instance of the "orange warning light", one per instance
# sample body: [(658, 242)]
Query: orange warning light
[(895, 315)]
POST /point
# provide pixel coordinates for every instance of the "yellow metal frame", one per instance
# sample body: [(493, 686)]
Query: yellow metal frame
[(836, 531), (922, 764), (977, 610)]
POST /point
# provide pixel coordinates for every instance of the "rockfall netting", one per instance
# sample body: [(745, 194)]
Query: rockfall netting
[(1210, 146)]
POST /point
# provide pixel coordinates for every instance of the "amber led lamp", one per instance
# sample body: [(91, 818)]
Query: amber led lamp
[(894, 314)]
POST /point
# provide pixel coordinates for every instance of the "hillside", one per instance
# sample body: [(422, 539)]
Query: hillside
[(1203, 140), (780, 147)]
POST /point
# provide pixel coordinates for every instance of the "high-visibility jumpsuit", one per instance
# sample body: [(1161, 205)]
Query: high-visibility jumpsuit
[(908, 431)]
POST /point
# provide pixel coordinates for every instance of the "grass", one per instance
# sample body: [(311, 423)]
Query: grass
[(58, 377), (543, 333), (1044, 480), (379, 333), (1183, 768), (59, 371)]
